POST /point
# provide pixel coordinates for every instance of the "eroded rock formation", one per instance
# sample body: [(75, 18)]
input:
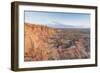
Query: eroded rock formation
[(44, 43)]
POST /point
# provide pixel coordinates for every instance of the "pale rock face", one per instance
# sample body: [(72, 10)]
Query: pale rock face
[(35, 36)]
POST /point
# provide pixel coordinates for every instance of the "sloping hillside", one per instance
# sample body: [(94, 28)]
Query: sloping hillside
[(36, 47)]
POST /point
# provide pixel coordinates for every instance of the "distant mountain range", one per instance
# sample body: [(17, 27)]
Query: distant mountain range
[(61, 25), (55, 24)]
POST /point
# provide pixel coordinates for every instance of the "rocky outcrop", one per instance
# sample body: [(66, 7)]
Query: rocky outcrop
[(36, 47)]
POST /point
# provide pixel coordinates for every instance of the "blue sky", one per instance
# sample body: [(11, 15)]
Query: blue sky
[(79, 20)]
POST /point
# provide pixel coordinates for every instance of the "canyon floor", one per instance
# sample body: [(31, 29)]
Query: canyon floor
[(43, 43)]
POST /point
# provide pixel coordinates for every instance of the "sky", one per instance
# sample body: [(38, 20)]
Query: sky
[(79, 20)]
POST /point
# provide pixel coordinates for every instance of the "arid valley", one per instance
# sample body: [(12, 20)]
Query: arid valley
[(45, 43)]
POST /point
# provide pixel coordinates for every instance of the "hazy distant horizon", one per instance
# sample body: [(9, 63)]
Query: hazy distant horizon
[(58, 19)]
